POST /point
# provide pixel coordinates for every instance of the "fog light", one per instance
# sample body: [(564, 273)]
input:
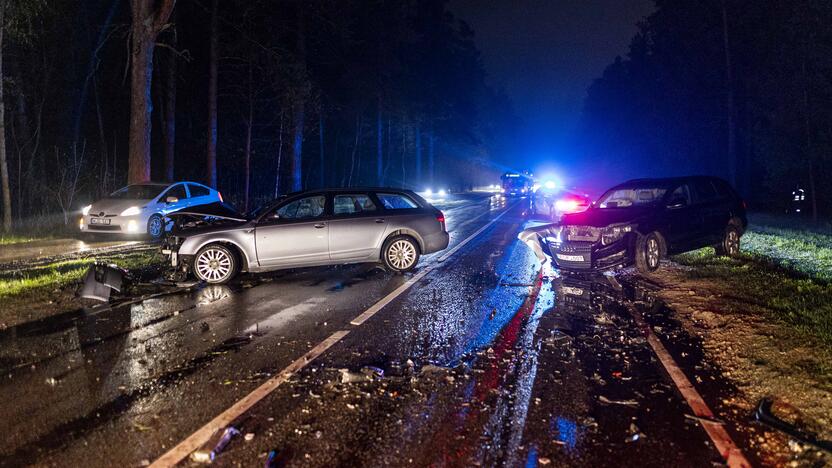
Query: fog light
[(81, 223), (132, 226)]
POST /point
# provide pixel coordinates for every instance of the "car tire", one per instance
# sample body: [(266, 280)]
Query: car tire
[(649, 253), (400, 254), (730, 245), (155, 227), (215, 264)]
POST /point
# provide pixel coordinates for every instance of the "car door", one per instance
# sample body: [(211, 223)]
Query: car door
[(295, 233), (177, 191), (713, 210), (681, 219), (356, 228), (199, 195)]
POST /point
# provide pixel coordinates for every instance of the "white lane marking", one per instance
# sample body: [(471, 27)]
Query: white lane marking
[(716, 431), (424, 271), (203, 434)]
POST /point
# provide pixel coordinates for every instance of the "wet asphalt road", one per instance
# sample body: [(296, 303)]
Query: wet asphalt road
[(485, 361)]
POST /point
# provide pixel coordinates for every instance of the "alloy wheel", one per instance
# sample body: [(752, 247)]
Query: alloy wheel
[(653, 252), (401, 254), (155, 227), (213, 265), (732, 242)]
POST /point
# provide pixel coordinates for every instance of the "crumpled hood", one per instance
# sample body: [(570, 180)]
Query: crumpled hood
[(596, 217), (210, 218), (114, 206)]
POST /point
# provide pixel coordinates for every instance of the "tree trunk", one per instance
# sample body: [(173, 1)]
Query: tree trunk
[(211, 153), (379, 145), (321, 159), (279, 157), (249, 125), (431, 139), (417, 177), (296, 168), (4, 167), (169, 125), (145, 27), (729, 84)]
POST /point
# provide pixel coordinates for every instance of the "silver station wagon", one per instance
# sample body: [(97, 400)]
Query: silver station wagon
[(312, 228)]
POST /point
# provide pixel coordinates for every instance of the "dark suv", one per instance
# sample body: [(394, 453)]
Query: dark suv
[(642, 221)]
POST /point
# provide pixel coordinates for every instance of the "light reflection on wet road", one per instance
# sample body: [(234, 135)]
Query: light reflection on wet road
[(519, 369)]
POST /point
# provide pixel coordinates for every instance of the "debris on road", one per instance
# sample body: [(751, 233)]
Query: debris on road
[(607, 401), (208, 456), (101, 280), (764, 415)]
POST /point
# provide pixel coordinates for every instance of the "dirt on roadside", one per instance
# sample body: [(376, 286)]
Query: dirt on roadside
[(759, 357)]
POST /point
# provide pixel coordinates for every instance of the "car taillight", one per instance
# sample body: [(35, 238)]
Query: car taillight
[(440, 217), (220, 195), (570, 205)]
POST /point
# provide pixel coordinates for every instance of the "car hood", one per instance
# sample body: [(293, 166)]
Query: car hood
[(115, 205), (605, 217), (205, 219), (211, 210)]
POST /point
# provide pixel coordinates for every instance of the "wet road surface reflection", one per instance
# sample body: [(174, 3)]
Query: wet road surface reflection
[(485, 362)]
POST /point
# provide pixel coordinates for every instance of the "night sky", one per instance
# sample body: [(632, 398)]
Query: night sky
[(545, 53)]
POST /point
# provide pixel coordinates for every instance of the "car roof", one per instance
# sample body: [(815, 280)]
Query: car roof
[(351, 190), (665, 181)]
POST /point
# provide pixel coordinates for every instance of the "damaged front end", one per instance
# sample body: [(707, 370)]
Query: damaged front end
[(188, 222)]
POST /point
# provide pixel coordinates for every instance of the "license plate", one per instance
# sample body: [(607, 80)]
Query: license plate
[(174, 259), (572, 291), (571, 258), (99, 221)]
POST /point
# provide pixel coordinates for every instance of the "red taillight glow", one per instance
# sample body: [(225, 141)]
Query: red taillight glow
[(440, 217), (570, 205), (220, 195)]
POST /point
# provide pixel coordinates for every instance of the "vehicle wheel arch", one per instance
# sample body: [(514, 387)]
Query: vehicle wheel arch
[(233, 247), (404, 232)]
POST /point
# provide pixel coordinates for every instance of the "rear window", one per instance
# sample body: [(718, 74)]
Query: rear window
[(198, 190), (397, 201), (353, 204)]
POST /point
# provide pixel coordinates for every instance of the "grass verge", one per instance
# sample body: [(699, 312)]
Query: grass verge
[(787, 279), (44, 279), (10, 239)]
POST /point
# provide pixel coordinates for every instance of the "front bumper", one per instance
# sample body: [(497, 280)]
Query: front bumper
[(113, 224), (592, 256)]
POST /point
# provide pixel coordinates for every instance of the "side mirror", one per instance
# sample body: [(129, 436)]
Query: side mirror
[(677, 202), (170, 200)]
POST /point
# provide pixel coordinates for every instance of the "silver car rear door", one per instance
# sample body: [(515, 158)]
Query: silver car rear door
[(297, 236), (357, 226)]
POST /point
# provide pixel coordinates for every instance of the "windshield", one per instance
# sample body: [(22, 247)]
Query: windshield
[(629, 197), (138, 192)]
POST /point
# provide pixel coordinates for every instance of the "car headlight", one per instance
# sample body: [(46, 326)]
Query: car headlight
[(614, 233), (86, 210), (133, 210)]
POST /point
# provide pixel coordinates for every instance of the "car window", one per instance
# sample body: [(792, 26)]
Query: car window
[(722, 189), (683, 192), (177, 191), (198, 190), (353, 204), (304, 208), (138, 192), (396, 201), (705, 190), (627, 197)]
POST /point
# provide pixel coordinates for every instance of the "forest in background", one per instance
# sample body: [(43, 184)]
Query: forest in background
[(254, 97), (735, 88)]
